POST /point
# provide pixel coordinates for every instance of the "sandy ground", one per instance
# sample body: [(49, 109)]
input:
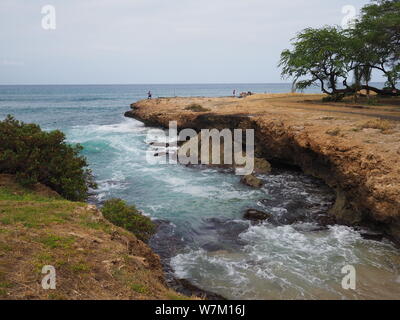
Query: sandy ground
[(296, 104)]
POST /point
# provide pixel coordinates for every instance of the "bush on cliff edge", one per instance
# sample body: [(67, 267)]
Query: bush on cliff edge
[(34, 155), (128, 217)]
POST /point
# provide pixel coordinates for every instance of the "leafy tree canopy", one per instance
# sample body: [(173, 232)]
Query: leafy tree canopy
[(328, 56), (379, 30), (320, 55)]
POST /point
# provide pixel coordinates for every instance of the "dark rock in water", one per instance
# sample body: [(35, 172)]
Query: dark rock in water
[(252, 181), (159, 144), (256, 215), (160, 154), (370, 234), (298, 210), (262, 166), (230, 229), (226, 231), (212, 247), (267, 202), (295, 213), (166, 249), (326, 220)]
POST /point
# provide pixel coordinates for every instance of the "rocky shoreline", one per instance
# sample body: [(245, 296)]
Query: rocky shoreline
[(358, 161)]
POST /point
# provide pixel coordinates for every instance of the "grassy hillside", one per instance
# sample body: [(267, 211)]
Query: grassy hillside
[(93, 258)]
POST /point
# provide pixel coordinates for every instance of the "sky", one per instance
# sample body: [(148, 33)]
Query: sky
[(155, 41)]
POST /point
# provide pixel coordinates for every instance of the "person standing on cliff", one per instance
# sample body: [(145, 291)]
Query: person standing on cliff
[(149, 95), (234, 92)]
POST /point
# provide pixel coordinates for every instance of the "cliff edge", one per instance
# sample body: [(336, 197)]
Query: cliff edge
[(353, 147), (93, 259)]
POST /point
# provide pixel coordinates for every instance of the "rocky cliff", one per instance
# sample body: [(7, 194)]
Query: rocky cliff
[(354, 149)]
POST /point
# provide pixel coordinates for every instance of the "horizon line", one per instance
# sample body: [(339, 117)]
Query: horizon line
[(151, 84), (130, 84)]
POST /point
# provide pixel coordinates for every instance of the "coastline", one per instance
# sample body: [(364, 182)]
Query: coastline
[(93, 259), (342, 144)]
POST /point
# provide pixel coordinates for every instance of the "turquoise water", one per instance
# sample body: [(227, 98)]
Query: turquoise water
[(203, 236)]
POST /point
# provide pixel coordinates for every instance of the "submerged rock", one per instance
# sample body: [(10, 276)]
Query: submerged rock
[(371, 234), (160, 154), (256, 215), (262, 166), (159, 144), (225, 231), (252, 181), (212, 247), (326, 220)]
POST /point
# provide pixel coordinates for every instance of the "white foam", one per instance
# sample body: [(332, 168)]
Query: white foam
[(283, 259)]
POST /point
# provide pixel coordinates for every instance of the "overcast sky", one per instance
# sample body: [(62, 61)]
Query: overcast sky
[(154, 41)]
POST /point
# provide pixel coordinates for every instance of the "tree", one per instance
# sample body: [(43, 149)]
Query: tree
[(328, 55), (36, 156), (379, 30), (320, 56)]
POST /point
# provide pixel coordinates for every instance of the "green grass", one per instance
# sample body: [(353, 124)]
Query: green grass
[(44, 258), (53, 241), (23, 194), (87, 222), (42, 224), (139, 288), (80, 267), (35, 214)]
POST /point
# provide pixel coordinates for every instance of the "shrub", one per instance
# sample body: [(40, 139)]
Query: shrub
[(333, 132), (128, 217), (34, 155), (380, 124), (195, 107)]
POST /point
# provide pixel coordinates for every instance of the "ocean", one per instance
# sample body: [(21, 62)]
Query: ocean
[(203, 237)]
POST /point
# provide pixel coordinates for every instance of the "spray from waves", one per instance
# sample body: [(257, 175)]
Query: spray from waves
[(106, 187), (282, 262), (203, 186), (120, 142), (83, 133), (113, 151), (268, 262)]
